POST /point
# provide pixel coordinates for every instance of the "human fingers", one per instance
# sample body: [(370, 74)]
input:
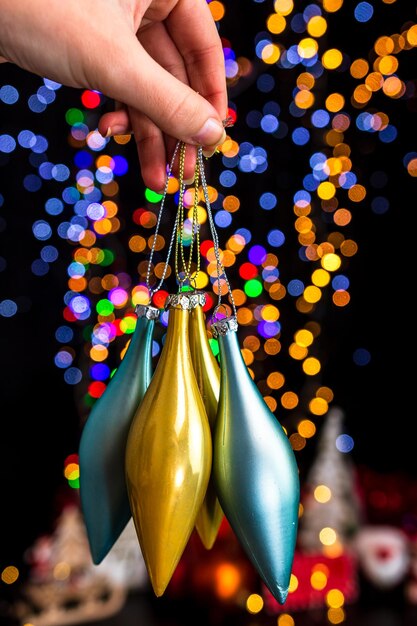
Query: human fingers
[(194, 32), (158, 43)]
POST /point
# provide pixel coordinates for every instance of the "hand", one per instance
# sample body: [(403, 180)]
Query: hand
[(161, 59)]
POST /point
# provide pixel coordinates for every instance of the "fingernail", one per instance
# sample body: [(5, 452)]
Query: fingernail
[(208, 153), (106, 134), (119, 130), (212, 133), (189, 181)]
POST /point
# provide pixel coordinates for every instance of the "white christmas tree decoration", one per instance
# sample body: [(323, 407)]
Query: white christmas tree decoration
[(331, 505)]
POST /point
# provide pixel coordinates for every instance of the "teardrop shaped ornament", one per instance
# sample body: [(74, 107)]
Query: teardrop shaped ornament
[(207, 372), (255, 469), (169, 452), (103, 494)]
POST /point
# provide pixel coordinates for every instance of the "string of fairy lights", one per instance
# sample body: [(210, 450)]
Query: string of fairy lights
[(101, 297)]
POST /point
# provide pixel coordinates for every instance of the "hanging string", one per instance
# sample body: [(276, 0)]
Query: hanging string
[(177, 235), (195, 226), (221, 272)]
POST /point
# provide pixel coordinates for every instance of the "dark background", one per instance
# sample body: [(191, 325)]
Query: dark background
[(40, 414)]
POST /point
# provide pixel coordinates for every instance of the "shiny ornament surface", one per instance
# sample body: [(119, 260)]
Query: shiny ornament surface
[(207, 372), (255, 469), (104, 500), (169, 454)]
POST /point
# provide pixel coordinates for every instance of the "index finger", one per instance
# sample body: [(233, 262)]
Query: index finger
[(194, 32)]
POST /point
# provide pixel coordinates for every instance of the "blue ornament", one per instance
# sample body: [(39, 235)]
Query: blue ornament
[(255, 470), (104, 499)]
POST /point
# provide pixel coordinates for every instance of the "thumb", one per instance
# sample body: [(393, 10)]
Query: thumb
[(173, 106)]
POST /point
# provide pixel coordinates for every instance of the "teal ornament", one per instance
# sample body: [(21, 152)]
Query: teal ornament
[(103, 494), (255, 470)]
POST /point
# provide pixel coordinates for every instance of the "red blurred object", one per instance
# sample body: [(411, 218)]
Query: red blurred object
[(337, 573), (90, 99), (223, 573)]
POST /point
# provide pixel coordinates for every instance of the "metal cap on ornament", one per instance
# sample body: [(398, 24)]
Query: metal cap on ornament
[(187, 300), (224, 326), (148, 311)]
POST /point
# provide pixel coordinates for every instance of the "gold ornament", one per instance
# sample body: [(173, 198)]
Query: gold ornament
[(169, 453), (207, 372)]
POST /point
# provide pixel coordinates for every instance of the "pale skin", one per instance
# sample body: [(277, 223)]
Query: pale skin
[(160, 60)]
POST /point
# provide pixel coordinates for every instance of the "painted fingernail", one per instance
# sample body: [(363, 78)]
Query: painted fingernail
[(212, 133)]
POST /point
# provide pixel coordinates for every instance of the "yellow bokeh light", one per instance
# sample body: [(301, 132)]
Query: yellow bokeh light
[(10, 574), (304, 99), (271, 403), (231, 204), (312, 294), (244, 316), (217, 9), (99, 353), (320, 277), (275, 380), (327, 536), (331, 6), (270, 313), (335, 598), (311, 366), (337, 616), (362, 94), (384, 45), (332, 59), (387, 65), (254, 603), (276, 23), (304, 337), (333, 166), (305, 80), (272, 346), (412, 35), (326, 190), (270, 53), (393, 87), (289, 400), (359, 68), (307, 48), (283, 6), (322, 493), (297, 352), (316, 26), (331, 262), (227, 580), (318, 406), (374, 81), (333, 551), (318, 580), (306, 428), (285, 620), (200, 279), (293, 586)]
